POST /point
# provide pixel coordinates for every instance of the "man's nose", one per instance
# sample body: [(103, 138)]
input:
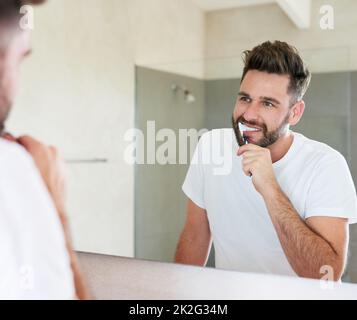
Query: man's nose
[(252, 112)]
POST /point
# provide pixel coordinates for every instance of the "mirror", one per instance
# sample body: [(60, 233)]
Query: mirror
[(160, 208), (114, 68)]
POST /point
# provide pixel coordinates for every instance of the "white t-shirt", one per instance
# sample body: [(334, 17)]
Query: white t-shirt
[(34, 262), (314, 176)]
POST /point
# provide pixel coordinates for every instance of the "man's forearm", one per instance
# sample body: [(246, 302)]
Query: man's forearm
[(192, 252), (80, 287), (81, 290), (305, 250)]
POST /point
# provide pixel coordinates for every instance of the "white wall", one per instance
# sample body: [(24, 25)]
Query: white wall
[(230, 32), (78, 93)]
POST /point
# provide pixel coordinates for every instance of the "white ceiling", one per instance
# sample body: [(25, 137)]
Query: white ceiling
[(298, 11), (210, 5)]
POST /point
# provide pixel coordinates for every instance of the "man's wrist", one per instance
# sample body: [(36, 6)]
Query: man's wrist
[(271, 192)]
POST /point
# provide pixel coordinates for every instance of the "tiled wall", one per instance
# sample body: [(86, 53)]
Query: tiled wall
[(160, 205)]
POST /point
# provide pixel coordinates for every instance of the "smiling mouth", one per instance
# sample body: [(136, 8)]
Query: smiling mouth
[(245, 128)]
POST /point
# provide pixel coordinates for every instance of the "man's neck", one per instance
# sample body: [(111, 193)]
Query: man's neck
[(280, 148)]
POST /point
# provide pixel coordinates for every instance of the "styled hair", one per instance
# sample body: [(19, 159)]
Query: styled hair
[(283, 59)]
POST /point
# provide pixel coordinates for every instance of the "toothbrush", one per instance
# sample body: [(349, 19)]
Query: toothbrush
[(241, 130), (238, 129)]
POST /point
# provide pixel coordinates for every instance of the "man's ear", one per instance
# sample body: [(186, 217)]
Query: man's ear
[(296, 112)]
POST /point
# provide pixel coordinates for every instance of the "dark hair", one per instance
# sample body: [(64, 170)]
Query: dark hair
[(283, 59), (10, 9)]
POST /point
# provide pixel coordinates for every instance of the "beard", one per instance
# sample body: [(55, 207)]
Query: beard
[(269, 137)]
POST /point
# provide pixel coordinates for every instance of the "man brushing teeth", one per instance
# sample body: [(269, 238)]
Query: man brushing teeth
[(286, 205)]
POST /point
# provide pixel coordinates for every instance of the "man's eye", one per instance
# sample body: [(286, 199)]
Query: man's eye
[(244, 99), (268, 104)]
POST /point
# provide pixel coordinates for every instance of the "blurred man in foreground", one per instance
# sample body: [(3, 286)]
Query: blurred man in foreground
[(36, 257)]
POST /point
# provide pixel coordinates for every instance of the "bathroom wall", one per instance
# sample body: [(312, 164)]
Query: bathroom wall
[(353, 117), (326, 117), (230, 32), (353, 123), (160, 205), (220, 100)]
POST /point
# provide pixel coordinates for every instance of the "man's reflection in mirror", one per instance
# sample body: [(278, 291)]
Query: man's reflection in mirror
[(286, 205)]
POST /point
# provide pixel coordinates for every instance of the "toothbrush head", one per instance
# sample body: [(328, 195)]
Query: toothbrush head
[(238, 133), (241, 130)]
